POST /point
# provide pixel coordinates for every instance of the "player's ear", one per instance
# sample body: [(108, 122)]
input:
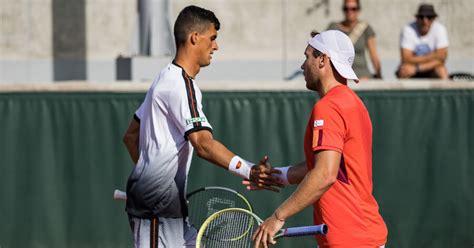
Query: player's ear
[(194, 38), (322, 60)]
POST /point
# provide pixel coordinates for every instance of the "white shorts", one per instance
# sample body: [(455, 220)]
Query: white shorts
[(162, 233)]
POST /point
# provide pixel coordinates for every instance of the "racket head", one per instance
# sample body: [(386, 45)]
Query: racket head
[(206, 201), (228, 228)]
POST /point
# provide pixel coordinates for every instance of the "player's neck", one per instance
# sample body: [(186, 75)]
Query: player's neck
[(326, 87), (329, 82), (187, 63)]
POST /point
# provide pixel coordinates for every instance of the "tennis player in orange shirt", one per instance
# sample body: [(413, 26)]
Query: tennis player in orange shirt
[(336, 177)]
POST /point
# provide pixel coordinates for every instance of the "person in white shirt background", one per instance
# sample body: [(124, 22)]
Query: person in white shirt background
[(424, 46)]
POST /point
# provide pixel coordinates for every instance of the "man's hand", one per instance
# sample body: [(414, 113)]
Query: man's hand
[(406, 70), (266, 231), (261, 177)]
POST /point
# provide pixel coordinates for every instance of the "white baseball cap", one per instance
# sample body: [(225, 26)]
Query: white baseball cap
[(340, 50)]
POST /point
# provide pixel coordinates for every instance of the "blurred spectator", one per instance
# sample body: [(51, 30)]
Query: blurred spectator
[(362, 36), (424, 46)]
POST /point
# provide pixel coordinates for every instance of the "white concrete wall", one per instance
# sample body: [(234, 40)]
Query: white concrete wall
[(25, 29), (274, 32), (251, 26), (110, 25)]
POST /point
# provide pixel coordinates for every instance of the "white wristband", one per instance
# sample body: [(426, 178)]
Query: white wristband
[(283, 177), (240, 167)]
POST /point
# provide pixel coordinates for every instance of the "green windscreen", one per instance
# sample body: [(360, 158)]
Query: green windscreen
[(61, 157)]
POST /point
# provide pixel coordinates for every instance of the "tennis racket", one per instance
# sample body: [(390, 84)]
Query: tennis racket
[(234, 227), (205, 201)]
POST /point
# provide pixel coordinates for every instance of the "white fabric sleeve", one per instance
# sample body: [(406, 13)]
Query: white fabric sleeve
[(139, 111), (441, 36), (408, 38), (185, 109)]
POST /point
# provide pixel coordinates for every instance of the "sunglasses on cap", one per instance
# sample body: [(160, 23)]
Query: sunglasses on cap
[(429, 17), (345, 9)]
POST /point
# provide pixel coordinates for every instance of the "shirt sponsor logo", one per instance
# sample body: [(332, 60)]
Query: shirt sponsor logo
[(318, 123), (195, 119)]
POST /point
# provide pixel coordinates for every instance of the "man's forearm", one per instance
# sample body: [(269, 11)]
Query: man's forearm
[(439, 55), (419, 59), (312, 187), (430, 65), (214, 152), (297, 173), (374, 57)]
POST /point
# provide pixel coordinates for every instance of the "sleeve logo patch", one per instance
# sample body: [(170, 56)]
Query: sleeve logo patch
[(195, 119), (318, 123)]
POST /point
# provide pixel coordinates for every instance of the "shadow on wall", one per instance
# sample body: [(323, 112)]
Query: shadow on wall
[(69, 40)]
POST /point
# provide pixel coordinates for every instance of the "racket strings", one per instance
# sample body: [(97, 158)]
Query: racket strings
[(206, 202), (230, 230)]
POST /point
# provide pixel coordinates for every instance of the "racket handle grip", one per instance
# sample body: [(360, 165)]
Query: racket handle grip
[(120, 195), (306, 230)]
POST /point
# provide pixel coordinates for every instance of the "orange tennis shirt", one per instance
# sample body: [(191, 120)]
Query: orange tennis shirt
[(340, 122)]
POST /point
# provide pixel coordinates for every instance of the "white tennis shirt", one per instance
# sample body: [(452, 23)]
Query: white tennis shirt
[(436, 38), (171, 110)]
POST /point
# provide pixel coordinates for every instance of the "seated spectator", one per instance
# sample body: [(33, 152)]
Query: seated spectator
[(424, 46), (362, 36)]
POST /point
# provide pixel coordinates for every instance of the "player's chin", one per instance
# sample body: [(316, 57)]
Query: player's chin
[(311, 86), (206, 63), (308, 81)]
